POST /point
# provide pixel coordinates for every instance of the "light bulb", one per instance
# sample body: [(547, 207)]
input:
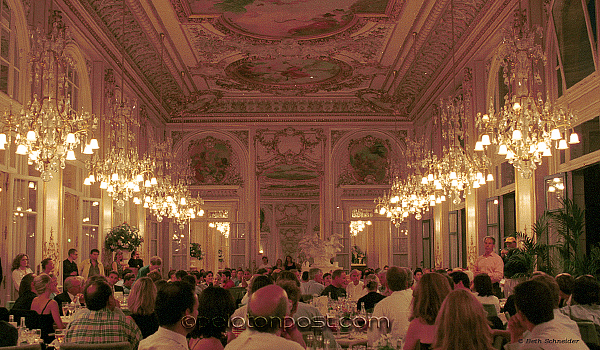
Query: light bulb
[(485, 140), (94, 144), (21, 149), (490, 177), (555, 134), (517, 135), (88, 150), (31, 136), (70, 137), (478, 146), (103, 185), (153, 181), (562, 144), (573, 139), (502, 150), (114, 177), (147, 183)]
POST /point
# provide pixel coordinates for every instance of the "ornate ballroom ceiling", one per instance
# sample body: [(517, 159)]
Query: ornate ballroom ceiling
[(279, 59)]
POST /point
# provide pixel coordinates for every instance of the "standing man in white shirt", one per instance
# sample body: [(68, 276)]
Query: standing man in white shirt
[(490, 263)]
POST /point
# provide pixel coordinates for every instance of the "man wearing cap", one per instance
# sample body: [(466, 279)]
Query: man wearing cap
[(515, 268)]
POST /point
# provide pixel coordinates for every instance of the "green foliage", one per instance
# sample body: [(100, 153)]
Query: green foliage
[(196, 251), (569, 223), (535, 253), (123, 237)]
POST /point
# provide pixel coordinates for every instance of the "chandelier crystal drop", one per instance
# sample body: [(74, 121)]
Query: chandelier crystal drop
[(48, 129), (527, 127)]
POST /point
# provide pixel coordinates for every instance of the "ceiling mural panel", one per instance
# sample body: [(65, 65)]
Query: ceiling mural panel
[(339, 56)]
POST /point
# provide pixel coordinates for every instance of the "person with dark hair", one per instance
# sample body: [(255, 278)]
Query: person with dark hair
[(265, 263), (128, 281), (395, 309), (179, 275), (101, 322), (326, 279), (135, 263), (482, 285), (289, 263), (461, 280), (586, 300), (20, 268), (191, 280), (565, 284), (534, 303), (227, 282), (337, 288), (47, 266), (554, 294), (418, 273), (267, 310), (26, 293), (216, 307), (69, 264), (177, 311), (92, 266)]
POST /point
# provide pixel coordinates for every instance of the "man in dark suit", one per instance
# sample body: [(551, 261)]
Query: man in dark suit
[(72, 287)]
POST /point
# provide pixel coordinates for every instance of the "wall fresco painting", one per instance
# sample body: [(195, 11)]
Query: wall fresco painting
[(213, 162)]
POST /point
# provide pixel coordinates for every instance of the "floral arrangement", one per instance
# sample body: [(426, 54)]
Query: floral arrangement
[(196, 251), (388, 342), (123, 237), (358, 256)]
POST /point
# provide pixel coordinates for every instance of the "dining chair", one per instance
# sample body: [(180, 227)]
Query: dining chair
[(490, 309), (102, 346), (589, 335)]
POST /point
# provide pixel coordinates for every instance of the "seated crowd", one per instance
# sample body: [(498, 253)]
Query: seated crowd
[(270, 308)]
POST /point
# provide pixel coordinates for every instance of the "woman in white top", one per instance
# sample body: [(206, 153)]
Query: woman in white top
[(482, 287), (20, 268)]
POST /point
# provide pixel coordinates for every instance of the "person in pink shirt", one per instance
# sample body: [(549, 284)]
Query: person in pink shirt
[(227, 283), (490, 263)]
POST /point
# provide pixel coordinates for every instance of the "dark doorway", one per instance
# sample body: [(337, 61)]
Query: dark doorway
[(591, 194)]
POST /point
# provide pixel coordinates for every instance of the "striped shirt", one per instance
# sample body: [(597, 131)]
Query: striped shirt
[(103, 326)]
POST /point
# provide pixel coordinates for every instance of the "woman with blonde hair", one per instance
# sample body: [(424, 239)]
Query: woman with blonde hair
[(46, 308), (141, 302), (428, 297), (462, 324), (118, 263)]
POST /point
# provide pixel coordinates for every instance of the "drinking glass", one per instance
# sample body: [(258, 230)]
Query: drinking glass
[(36, 336), (60, 335)]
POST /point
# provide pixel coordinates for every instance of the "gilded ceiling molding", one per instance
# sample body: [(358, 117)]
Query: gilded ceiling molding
[(336, 135), (142, 50), (277, 150), (243, 136), (363, 192), (218, 193), (435, 46)]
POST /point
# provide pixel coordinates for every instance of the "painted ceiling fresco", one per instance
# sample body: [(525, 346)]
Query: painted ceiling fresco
[(276, 19), (327, 58)]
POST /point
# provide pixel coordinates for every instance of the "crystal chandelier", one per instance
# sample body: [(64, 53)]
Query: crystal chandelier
[(357, 227), (48, 129), (171, 197), (526, 128), (120, 171), (222, 227)]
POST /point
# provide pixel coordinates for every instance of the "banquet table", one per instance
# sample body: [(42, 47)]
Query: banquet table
[(352, 341)]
